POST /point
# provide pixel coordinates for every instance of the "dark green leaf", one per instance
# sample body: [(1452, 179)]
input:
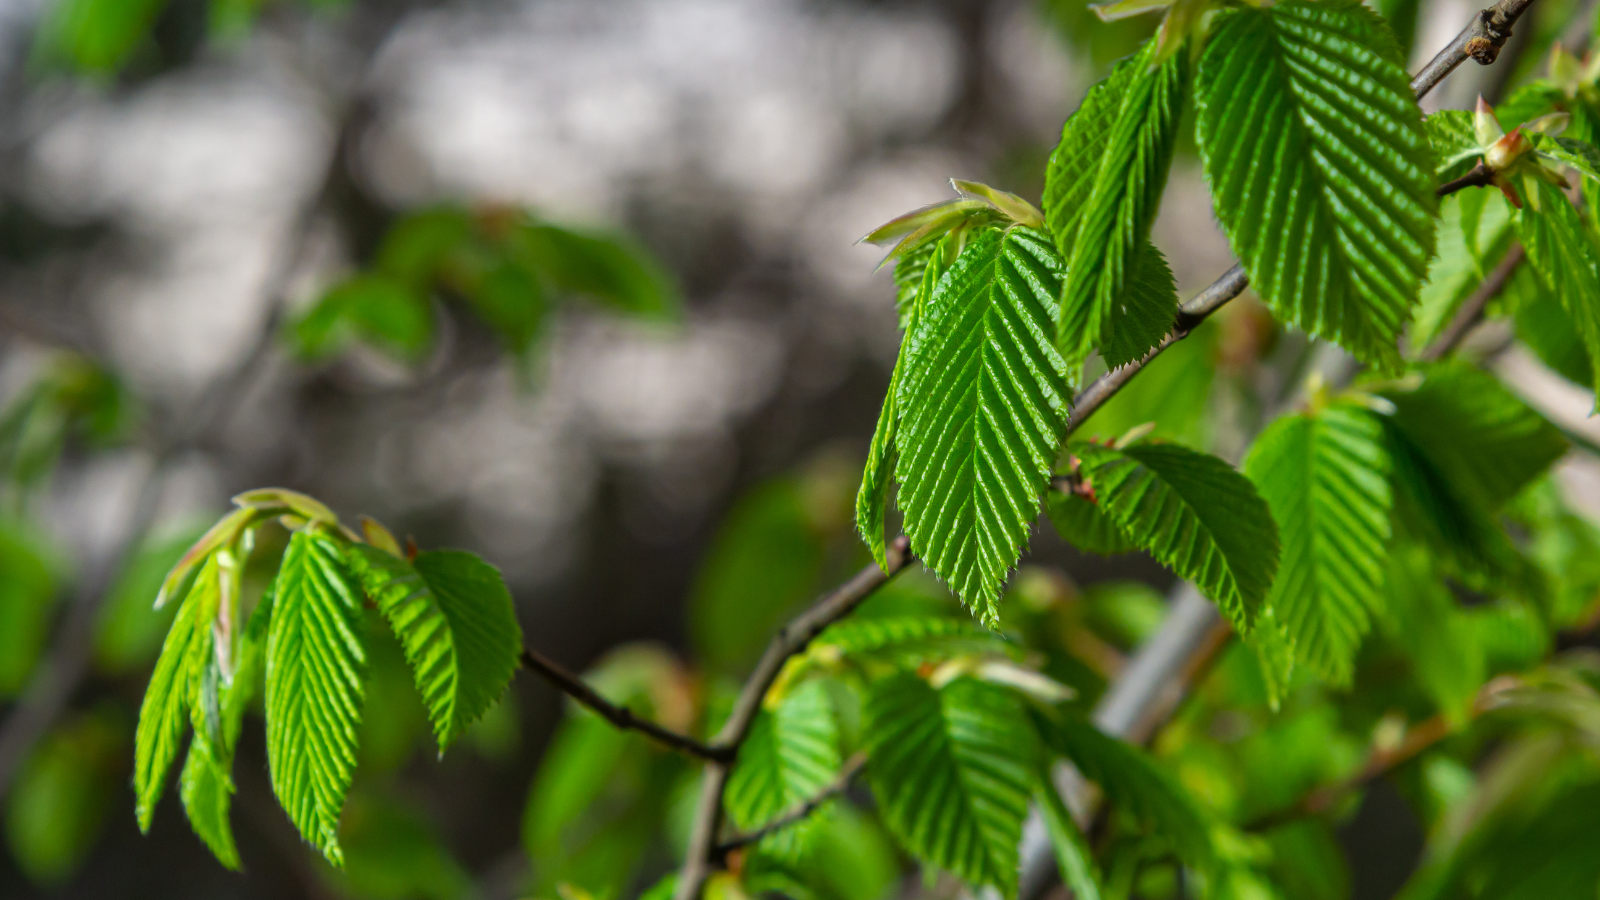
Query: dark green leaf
[(605, 267), (376, 308)]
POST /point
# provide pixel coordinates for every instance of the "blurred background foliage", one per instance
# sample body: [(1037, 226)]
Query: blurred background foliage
[(574, 284)]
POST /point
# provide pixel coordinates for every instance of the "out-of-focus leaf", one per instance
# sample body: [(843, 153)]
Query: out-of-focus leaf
[(605, 267), (1085, 525), (1563, 254), (845, 857), (375, 308), (417, 246), (391, 853), (27, 595), (512, 302), (63, 794), (1421, 616), (94, 36), (1172, 391), (1475, 229)]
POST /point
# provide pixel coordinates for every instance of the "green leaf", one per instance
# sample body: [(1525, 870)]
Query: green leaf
[(1475, 230), (28, 585), (1085, 139), (605, 267), (1564, 256), (1085, 525), (1146, 311), (1074, 858), (94, 36), (457, 626), (1132, 780), (1104, 277), (1319, 168), (953, 770), (872, 500), (1422, 617), (1325, 476), (417, 247), (206, 784), (1484, 439), (848, 857), (482, 619), (895, 634), (1173, 391), (392, 853), (1194, 514), (1551, 334), (316, 663), (163, 713), (789, 757), (376, 308), (983, 406), (1454, 142), (59, 803), (511, 301), (1580, 155)]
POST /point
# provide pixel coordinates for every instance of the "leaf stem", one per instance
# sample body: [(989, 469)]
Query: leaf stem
[(789, 640), (620, 716)]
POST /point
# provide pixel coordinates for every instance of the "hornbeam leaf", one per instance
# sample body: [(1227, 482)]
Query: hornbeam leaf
[(316, 665), (483, 630), (1082, 523), (789, 757), (1325, 475), (1320, 171), (1455, 144), (206, 785), (1145, 310), (983, 407), (1564, 256), (1084, 140), (1193, 513), (872, 500), (1113, 228), (162, 715), (1475, 231), (953, 770)]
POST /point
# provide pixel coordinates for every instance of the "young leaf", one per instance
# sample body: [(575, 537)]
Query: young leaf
[(316, 662), (1564, 256), (1455, 145), (900, 634), (483, 630), (789, 757), (983, 405), (163, 714), (206, 784), (953, 770), (1319, 168), (1325, 475), (1194, 514), (462, 643), (1085, 138), (1132, 780), (1113, 227), (872, 500)]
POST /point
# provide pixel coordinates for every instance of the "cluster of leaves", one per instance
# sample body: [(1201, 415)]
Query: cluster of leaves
[(304, 639), (503, 264)]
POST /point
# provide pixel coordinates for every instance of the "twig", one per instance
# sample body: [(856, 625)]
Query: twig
[(790, 639), (1472, 309), (839, 785), (1479, 175), (620, 716)]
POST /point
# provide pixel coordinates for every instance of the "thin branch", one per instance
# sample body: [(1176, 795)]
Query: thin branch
[(1472, 309), (790, 639), (839, 785), (620, 716), (1479, 175)]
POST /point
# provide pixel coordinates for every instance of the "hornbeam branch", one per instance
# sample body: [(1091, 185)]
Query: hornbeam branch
[(620, 716), (790, 640), (1472, 309), (838, 786)]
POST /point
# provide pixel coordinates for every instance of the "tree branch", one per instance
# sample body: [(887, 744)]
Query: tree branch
[(851, 769), (620, 716), (790, 639), (1472, 309)]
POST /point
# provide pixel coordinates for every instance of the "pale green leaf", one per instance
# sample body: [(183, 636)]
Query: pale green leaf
[(316, 663), (789, 757), (953, 770), (1319, 168), (1454, 141), (1194, 514), (1325, 476), (1475, 229), (1112, 229), (983, 406), (1564, 256)]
